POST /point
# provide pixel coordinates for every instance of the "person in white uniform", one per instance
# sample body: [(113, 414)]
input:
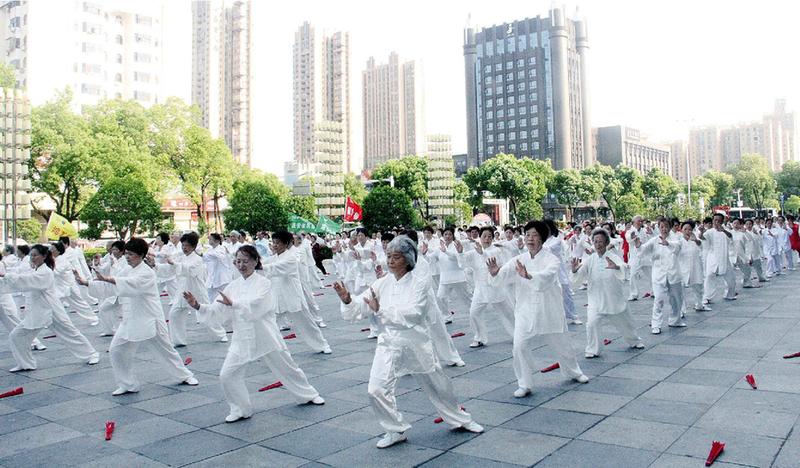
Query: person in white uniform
[(757, 249), (667, 282), (605, 273), (555, 244), (43, 309), (538, 307), (110, 310), (771, 249), (741, 254), (190, 275), (248, 301), (216, 261), (66, 287), (717, 242), (399, 300), (691, 265), (485, 298), (453, 289), (639, 264), (76, 256), (10, 313), (283, 270), (142, 322)]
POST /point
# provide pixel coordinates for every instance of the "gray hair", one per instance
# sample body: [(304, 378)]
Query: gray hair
[(603, 233), (405, 246), (234, 233)]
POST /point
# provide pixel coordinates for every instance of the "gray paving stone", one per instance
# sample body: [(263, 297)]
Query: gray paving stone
[(509, 446), (675, 461), (705, 377), (671, 412), (539, 395), (588, 402), (664, 360), (260, 427), (427, 433), (315, 413), (591, 454), (147, 431), (685, 392), (69, 452), (172, 403), (451, 459), (121, 459), (252, 455), (90, 423), (640, 372), (364, 421), (553, 422), (772, 383), (645, 435), (316, 441), (722, 364), (761, 401), (27, 440), (28, 401), (147, 392), (189, 448), (72, 408), (744, 449), (365, 455), (789, 454), (493, 413), (616, 386), (749, 421)]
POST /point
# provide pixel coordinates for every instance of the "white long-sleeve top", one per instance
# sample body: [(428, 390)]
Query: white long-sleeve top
[(141, 305), (770, 241), (38, 287), (283, 271), (755, 245), (165, 271), (717, 246), (402, 330), (538, 305), (555, 245), (219, 274), (484, 293), (665, 260), (363, 267), (255, 332), (606, 286), (782, 239), (738, 250), (450, 271), (65, 283), (190, 273), (635, 256), (430, 255), (690, 262)]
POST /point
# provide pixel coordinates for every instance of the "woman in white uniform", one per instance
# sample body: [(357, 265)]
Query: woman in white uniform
[(604, 271), (66, 287), (142, 322), (249, 303), (216, 261), (691, 266), (453, 289), (538, 310), (43, 309), (109, 311), (399, 301)]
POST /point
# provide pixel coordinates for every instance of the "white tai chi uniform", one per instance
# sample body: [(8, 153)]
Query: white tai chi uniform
[(606, 294), (538, 311), (756, 246), (741, 256), (283, 271), (772, 251), (308, 279), (691, 266), (640, 264), (166, 272), (110, 310), (404, 347), (486, 298), (142, 322), (453, 289), (718, 263), (255, 336), (555, 246), (67, 289), (219, 274), (43, 309), (667, 282), (190, 275)]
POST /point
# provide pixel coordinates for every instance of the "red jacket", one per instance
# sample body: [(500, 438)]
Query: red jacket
[(794, 237)]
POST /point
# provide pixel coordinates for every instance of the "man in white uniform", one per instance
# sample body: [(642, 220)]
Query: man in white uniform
[(717, 241)]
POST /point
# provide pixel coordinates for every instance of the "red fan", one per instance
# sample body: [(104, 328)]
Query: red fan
[(716, 448), (551, 367), (290, 336), (187, 361), (277, 384), (110, 425), (10, 393), (457, 334), (48, 337), (607, 341), (793, 355), (365, 329), (751, 380)]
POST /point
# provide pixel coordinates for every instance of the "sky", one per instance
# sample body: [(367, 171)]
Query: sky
[(659, 66)]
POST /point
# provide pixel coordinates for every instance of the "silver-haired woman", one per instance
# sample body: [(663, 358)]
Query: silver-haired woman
[(399, 303)]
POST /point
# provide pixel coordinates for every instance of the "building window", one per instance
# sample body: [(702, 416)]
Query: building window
[(489, 126), (523, 146), (510, 88), (512, 148), (511, 112), (140, 57), (489, 103), (90, 89), (520, 63), (488, 80), (489, 115), (511, 101), (118, 39), (487, 69), (501, 137), (509, 77), (512, 124), (118, 78), (144, 20), (498, 67), (500, 113), (522, 42), (523, 135), (509, 64), (490, 138), (533, 85), (521, 75), (500, 101), (536, 146), (531, 60), (488, 91), (141, 77), (501, 125), (490, 150), (119, 58), (521, 86), (498, 79), (141, 96)]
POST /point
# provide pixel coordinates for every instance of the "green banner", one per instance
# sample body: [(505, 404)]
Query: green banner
[(298, 224), (328, 226)]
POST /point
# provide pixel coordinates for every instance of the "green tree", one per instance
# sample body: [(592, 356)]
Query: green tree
[(123, 205), (255, 207), (791, 205), (753, 177), (614, 184), (463, 209), (660, 191), (788, 178), (570, 187), (303, 206), (411, 176), (30, 230), (61, 164), (723, 188), (8, 78), (387, 208), (353, 188), (628, 205)]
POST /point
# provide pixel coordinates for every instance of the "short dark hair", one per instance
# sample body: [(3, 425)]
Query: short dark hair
[(718, 214), (487, 228), (473, 228), (137, 245), (362, 230), (163, 236), (387, 236), (689, 222), (190, 238), (64, 240), (411, 234), (601, 232), (251, 252), (428, 229), (217, 237), (119, 245), (24, 249), (284, 237), (451, 229), (541, 229), (60, 247)]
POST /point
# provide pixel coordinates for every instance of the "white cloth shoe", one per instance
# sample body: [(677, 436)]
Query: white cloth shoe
[(680, 324), (590, 355), (638, 346), (575, 321), (522, 392), (391, 438), (459, 363), (122, 391), (317, 400), (655, 331), (224, 339), (191, 381), (233, 418), (476, 344), (472, 426), (94, 360), (582, 378)]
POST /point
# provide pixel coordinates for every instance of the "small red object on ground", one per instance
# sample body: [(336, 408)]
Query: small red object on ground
[(277, 384), (793, 355), (290, 336), (551, 367), (751, 380), (187, 361), (607, 341), (10, 393), (110, 425), (365, 329), (439, 420), (716, 448), (457, 334), (48, 337)]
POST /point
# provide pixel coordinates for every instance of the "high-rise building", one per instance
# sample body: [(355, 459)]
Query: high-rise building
[(393, 100), (704, 150), (100, 50), (15, 148), (624, 145), (441, 176), (321, 89), (327, 175), (680, 161), (221, 81), (527, 91)]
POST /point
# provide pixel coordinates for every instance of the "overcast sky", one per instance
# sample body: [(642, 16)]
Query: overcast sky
[(660, 66)]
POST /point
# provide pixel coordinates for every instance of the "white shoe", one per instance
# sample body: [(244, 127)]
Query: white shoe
[(38, 347), (191, 381), (472, 426), (122, 391), (224, 339), (19, 369), (95, 323), (391, 438), (327, 350), (94, 360), (731, 298), (458, 363), (522, 392), (233, 418), (655, 331), (582, 378), (680, 324), (317, 400), (575, 322), (703, 308), (475, 344), (633, 298), (322, 324), (638, 346), (590, 355)]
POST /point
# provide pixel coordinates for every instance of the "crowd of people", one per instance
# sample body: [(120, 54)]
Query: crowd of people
[(407, 284)]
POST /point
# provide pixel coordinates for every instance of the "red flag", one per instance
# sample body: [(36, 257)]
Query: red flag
[(751, 380), (716, 448), (271, 386), (110, 425), (551, 367), (457, 334), (793, 355), (290, 336), (352, 211), (187, 361), (15, 392)]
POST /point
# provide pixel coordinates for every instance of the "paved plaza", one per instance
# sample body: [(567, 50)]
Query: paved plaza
[(660, 407)]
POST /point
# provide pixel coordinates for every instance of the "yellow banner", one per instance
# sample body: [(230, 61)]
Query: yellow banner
[(59, 226)]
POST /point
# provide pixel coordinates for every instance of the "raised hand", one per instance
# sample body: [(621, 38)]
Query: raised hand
[(442, 246), (478, 247), (459, 246), (379, 273), (372, 301), (576, 264), (520, 242), (225, 300), (423, 249), (191, 300), (342, 292), (492, 266), (356, 255), (78, 278), (373, 256), (522, 271), (611, 265)]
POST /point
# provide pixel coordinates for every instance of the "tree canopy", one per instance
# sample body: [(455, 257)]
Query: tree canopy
[(255, 207), (387, 208), (123, 205), (753, 177)]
